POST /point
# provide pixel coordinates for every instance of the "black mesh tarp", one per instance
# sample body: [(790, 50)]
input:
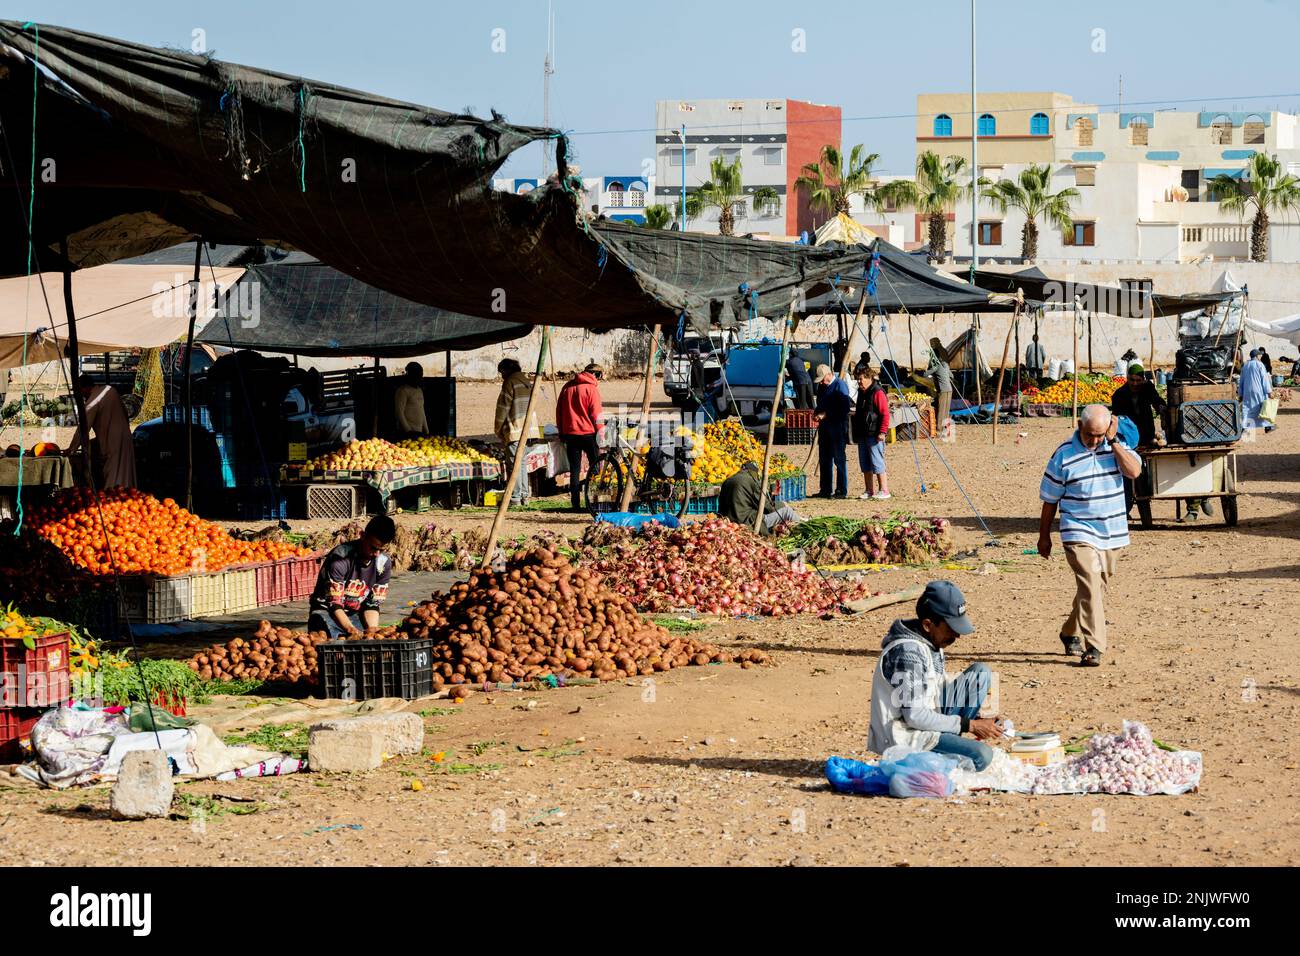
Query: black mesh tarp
[(904, 283), (1041, 289), (312, 309), (154, 146)]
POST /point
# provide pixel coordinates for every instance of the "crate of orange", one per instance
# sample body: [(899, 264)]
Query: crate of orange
[(153, 545)]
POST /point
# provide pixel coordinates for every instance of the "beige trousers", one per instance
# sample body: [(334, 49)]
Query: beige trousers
[(1092, 570), (944, 408)]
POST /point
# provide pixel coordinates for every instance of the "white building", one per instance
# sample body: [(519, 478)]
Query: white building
[(622, 198)]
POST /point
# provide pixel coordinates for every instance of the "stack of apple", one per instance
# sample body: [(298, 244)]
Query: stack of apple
[(373, 454), (441, 450)]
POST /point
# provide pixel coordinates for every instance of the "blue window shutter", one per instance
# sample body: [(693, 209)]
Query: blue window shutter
[(988, 126), (943, 125), (1038, 126)]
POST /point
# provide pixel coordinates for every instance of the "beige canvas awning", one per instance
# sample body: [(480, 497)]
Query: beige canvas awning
[(117, 307)]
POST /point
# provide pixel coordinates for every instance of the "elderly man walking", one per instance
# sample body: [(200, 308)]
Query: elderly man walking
[(1085, 480), (832, 414)]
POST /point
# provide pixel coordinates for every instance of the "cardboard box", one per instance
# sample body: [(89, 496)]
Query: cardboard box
[(1040, 758)]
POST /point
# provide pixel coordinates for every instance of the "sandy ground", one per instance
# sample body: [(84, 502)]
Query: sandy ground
[(723, 765)]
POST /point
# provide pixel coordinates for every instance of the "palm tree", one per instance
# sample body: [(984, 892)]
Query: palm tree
[(935, 192), (658, 217), (723, 190), (830, 185), (1265, 188), (1029, 192)]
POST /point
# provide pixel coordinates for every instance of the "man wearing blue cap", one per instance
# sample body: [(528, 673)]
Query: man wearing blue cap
[(913, 703)]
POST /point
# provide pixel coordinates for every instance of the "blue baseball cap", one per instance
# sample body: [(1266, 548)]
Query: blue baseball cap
[(944, 600)]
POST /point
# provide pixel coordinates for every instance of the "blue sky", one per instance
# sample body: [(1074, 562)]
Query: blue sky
[(615, 59)]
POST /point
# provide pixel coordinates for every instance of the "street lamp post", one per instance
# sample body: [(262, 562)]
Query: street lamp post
[(682, 212)]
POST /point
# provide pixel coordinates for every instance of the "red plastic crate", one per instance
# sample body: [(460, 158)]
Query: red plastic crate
[(800, 418), (15, 724), (35, 678), (293, 579), (303, 573)]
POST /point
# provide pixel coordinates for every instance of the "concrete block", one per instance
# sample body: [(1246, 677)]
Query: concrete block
[(144, 786), (352, 750), (403, 733)]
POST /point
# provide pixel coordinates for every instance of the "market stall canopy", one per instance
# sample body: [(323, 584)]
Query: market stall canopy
[(1042, 290), (154, 146), (905, 283), (306, 307), (841, 228), (118, 306)]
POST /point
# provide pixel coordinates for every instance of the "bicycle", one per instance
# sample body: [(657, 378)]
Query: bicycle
[(664, 484)]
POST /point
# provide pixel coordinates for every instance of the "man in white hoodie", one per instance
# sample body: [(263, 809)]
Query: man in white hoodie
[(913, 703)]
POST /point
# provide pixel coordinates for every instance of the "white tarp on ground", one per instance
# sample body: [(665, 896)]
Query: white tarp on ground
[(117, 307)]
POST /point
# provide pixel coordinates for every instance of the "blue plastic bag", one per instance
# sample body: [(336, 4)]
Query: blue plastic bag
[(855, 776), (921, 773), (1127, 431)]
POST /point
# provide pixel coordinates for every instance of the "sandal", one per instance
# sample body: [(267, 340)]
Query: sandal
[(1091, 659), (1073, 646)]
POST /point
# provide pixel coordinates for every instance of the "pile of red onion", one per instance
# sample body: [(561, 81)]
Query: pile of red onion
[(717, 567), (1128, 762)]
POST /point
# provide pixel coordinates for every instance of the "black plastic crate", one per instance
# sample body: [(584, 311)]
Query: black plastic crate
[(1208, 423), (800, 436), (361, 670)]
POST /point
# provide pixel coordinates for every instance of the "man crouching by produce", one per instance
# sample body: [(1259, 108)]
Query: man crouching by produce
[(739, 498), (913, 703), (353, 580)]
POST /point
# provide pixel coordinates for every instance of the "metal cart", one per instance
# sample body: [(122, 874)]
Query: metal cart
[(1179, 472)]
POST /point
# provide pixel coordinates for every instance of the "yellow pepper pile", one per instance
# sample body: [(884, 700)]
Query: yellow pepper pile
[(719, 450), (15, 627), (1091, 392)]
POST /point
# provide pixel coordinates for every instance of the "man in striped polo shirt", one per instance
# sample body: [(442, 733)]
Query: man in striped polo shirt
[(1085, 480)]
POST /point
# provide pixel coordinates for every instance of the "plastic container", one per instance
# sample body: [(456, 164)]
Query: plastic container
[(37, 677), (799, 436), (335, 501), (155, 600), (207, 595), (362, 670), (794, 489), (800, 418), (1208, 423), (258, 504), (240, 589), (16, 725)]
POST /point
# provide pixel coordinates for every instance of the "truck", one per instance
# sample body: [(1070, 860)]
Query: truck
[(709, 351)]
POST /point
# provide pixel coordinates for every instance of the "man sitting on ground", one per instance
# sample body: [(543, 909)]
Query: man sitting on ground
[(353, 581), (740, 496), (913, 703)]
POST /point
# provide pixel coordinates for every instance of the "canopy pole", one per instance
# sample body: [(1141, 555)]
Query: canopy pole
[(447, 363), (844, 360), (189, 379), (975, 360), (1075, 399), (74, 366), (776, 403), (911, 356), (1018, 354), (1151, 327), (1002, 369), (498, 523), (1089, 343), (642, 431)]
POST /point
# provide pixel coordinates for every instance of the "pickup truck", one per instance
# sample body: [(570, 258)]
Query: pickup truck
[(677, 365)]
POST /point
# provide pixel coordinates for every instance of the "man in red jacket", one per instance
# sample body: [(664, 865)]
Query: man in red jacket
[(870, 429), (578, 417)]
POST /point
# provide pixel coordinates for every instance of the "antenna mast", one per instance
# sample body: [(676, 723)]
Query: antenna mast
[(548, 69)]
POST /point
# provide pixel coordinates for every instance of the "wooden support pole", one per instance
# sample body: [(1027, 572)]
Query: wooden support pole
[(1018, 354), (1002, 369), (911, 355), (642, 431), (776, 404), (975, 360), (884, 600), (498, 522), (189, 379), (74, 370)]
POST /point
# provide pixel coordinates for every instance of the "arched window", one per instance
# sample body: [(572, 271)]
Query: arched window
[(943, 125), (988, 126), (1252, 131), (1038, 125), (1221, 130), (1137, 130)]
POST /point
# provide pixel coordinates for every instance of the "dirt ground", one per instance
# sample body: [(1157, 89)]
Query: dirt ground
[(723, 765)]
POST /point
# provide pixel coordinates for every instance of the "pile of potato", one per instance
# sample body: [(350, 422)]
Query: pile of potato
[(275, 654), (542, 616)]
